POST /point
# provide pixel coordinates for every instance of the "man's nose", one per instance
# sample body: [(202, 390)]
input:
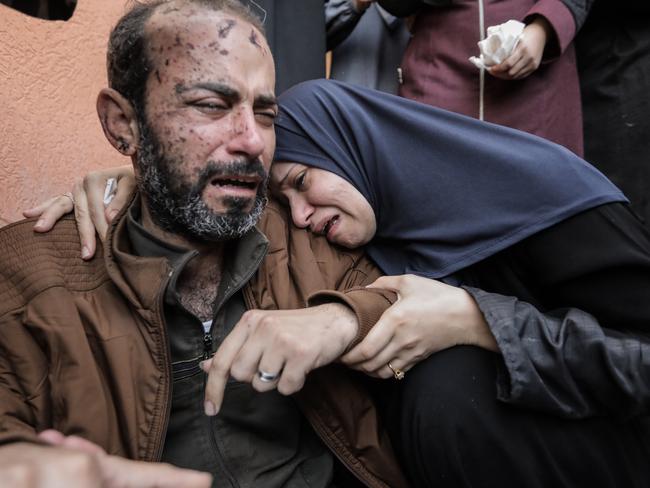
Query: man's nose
[(247, 138)]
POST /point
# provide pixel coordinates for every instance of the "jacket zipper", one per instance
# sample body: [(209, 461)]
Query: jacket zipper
[(207, 344), (207, 353), (159, 442)]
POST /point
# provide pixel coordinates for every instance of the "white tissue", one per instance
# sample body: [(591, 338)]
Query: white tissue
[(500, 42), (109, 190)]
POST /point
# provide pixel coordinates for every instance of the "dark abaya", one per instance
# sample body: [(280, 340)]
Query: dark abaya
[(566, 401)]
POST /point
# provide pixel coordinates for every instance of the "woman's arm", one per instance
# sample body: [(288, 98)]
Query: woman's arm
[(564, 363), (341, 17), (87, 201), (577, 341)]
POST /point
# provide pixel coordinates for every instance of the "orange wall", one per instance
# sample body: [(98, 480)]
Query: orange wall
[(50, 74)]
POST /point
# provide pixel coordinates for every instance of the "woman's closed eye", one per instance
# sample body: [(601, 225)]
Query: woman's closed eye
[(300, 181)]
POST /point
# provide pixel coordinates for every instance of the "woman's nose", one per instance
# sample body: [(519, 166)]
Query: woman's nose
[(301, 211)]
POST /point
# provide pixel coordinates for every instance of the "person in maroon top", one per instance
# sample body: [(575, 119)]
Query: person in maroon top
[(535, 90)]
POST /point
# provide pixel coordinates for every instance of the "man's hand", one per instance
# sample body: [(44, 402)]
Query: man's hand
[(429, 316), (90, 212), (527, 55), (25, 465), (286, 343)]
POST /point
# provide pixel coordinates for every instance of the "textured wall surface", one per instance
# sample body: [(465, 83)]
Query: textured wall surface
[(50, 74)]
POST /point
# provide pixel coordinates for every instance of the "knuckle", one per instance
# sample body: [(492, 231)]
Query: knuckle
[(81, 463), (368, 368), (398, 316), (365, 354)]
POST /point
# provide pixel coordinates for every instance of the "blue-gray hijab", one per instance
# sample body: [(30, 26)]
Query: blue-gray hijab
[(447, 190)]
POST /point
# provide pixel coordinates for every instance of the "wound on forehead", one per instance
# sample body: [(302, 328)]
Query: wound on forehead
[(225, 27)]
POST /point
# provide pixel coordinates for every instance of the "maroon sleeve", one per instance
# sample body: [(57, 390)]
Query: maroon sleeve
[(562, 22)]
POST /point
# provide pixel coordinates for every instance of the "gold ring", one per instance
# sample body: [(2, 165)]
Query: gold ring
[(397, 373)]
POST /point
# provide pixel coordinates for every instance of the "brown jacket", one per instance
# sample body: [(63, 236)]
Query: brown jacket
[(83, 346)]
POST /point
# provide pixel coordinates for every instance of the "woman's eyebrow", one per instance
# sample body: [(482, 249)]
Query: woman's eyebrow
[(286, 175)]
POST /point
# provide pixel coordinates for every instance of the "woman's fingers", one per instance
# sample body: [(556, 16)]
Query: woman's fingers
[(51, 211), (125, 187), (377, 339), (94, 186), (40, 208), (84, 224)]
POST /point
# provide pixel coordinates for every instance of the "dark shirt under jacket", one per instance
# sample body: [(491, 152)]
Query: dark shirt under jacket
[(257, 439)]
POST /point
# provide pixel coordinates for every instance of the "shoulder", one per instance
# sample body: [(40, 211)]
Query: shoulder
[(31, 262)]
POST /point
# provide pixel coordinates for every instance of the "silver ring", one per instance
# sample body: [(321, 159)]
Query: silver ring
[(267, 377)]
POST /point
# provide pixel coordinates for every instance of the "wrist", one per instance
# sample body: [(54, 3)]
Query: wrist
[(541, 27), (478, 331), (344, 321)]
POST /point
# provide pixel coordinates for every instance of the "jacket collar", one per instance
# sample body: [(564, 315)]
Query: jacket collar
[(142, 279)]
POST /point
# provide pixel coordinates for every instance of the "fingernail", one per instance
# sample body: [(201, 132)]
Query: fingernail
[(202, 366), (210, 409), (39, 223), (85, 252)]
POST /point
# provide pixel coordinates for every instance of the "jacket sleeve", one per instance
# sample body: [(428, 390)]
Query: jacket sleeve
[(579, 9), (340, 20), (564, 363), (23, 378), (576, 342), (404, 8), (562, 22)]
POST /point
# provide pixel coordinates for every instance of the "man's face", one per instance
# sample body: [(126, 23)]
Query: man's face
[(207, 139)]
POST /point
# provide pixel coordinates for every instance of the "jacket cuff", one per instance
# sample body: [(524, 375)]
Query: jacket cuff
[(562, 23), (13, 437), (368, 304), (498, 311)]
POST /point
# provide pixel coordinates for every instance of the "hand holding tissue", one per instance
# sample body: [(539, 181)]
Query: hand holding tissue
[(498, 45)]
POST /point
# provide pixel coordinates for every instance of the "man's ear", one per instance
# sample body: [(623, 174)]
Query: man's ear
[(118, 120)]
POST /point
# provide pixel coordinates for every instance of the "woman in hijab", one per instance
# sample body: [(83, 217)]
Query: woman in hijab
[(502, 214), (496, 239)]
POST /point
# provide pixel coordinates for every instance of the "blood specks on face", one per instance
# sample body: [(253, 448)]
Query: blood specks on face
[(225, 27), (158, 76), (224, 52)]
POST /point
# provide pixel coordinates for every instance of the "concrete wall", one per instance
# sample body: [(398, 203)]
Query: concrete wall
[(50, 74)]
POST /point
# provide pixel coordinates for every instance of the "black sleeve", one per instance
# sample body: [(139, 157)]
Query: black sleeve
[(576, 341), (340, 20), (579, 9), (404, 8)]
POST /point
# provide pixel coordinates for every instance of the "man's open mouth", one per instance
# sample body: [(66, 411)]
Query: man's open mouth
[(243, 182)]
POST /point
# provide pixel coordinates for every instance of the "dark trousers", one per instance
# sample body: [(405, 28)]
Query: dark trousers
[(445, 421), (449, 430)]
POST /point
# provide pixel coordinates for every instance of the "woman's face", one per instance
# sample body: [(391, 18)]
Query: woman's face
[(325, 203)]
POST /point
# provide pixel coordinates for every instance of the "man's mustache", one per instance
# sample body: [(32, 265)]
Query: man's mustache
[(242, 167)]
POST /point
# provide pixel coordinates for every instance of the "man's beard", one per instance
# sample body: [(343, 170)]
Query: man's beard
[(176, 204)]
